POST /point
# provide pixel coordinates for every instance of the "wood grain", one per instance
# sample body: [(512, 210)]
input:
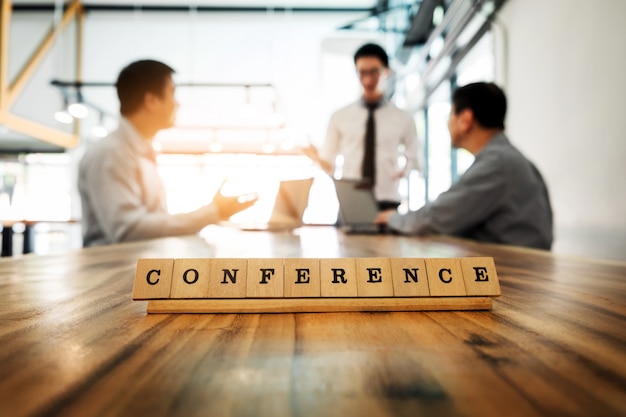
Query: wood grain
[(73, 343)]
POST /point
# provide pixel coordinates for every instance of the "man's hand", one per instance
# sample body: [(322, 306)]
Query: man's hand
[(383, 216), (229, 205), (312, 152)]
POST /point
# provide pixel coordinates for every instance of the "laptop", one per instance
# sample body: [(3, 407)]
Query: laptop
[(291, 201), (357, 207)]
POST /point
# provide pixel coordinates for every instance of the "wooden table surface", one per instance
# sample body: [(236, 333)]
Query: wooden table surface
[(73, 343)]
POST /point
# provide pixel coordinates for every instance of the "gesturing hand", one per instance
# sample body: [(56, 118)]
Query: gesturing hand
[(229, 205)]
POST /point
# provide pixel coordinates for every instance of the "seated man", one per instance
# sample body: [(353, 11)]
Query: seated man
[(122, 195), (501, 198)]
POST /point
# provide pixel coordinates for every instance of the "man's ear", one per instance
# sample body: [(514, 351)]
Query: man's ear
[(466, 119)]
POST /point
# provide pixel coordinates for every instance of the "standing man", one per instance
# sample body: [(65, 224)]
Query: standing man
[(371, 133), (122, 195), (501, 198)]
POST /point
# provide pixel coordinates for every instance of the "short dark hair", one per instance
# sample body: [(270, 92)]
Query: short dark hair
[(371, 49), (486, 100), (139, 78)]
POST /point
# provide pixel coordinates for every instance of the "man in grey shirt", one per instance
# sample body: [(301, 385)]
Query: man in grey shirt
[(122, 195), (501, 198)]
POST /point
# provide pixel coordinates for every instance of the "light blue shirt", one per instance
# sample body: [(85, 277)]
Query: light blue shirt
[(501, 198), (123, 197)]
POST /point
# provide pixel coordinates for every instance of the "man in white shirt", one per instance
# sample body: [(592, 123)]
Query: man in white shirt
[(122, 195), (394, 133)]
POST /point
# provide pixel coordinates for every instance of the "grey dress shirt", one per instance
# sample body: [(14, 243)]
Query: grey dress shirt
[(122, 195), (501, 198)]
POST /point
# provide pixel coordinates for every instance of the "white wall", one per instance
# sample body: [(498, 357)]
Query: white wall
[(564, 78)]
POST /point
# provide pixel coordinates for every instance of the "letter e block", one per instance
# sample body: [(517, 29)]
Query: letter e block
[(373, 277), (480, 276), (228, 278), (265, 278), (338, 277), (153, 279), (191, 278), (409, 277), (445, 277), (302, 277)]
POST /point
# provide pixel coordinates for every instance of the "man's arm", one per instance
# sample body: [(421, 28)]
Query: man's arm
[(469, 202)]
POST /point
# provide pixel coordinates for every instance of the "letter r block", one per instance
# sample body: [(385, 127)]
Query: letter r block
[(265, 278), (302, 277), (228, 278), (338, 277), (480, 276), (191, 278), (445, 277), (153, 279)]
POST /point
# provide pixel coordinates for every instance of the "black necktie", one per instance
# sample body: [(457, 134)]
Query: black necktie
[(368, 169)]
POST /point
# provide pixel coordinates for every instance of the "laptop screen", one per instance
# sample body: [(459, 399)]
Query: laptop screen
[(357, 205)]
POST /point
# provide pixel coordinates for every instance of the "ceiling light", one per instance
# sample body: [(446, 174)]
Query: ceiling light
[(62, 116), (78, 110)]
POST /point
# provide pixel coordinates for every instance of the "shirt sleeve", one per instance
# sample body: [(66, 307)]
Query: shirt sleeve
[(331, 144), (412, 146), (116, 194), (469, 202)]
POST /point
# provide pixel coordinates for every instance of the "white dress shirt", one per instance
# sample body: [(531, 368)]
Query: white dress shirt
[(123, 197), (395, 136)]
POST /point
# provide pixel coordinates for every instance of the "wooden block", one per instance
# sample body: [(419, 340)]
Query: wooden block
[(265, 278), (191, 278), (445, 277), (480, 276), (409, 277), (373, 277), (338, 277), (153, 279), (319, 305), (302, 277), (228, 278)]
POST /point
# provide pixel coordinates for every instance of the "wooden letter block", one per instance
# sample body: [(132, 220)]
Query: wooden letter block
[(409, 277), (302, 277), (153, 279), (190, 278), (480, 276), (227, 278), (445, 277), (373, 277), (265, 278), (338, 277)]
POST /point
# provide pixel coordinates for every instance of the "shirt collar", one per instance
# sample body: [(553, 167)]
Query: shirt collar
[(135, 140)]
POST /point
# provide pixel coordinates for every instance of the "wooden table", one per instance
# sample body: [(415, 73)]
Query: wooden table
[(73, 343)]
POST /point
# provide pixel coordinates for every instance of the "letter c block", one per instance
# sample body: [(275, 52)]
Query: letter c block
[(445, 277), (153, 279)]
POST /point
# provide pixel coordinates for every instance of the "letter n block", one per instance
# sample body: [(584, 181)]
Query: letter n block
[(228, 278), (409, 277), (191, 278), (302, 277), (480, 276), (153, 279), (265, 278), (374, 277), (338, 277), (445, 277)]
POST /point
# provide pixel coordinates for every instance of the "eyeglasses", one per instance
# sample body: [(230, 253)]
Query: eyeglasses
[(370, 73)]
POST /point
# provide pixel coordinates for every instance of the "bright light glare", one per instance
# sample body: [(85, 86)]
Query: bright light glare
[(63, 117), (99, 131), (78, 110)]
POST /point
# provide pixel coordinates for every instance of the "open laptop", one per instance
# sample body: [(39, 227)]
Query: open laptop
[(357, 207), (291, 200)]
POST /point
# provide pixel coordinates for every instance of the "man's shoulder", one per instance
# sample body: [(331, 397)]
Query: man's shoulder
[(349, 108)]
